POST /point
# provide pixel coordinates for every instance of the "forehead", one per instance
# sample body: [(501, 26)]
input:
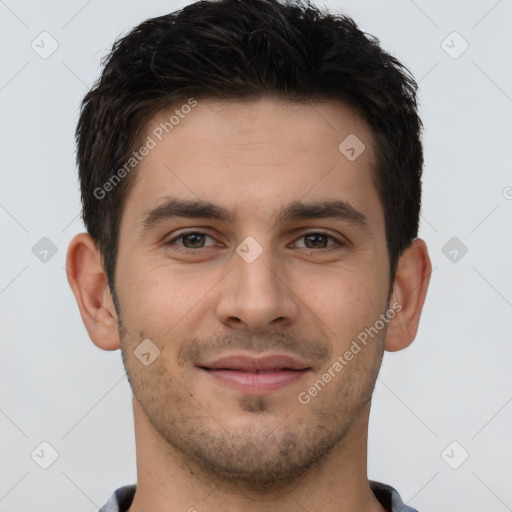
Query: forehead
[(255, 156)]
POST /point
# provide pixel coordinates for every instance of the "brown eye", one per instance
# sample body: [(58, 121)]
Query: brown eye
[(191, 240), (316, 240), (319, 240)]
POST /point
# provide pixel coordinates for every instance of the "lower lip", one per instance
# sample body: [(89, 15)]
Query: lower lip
[(257, 382)]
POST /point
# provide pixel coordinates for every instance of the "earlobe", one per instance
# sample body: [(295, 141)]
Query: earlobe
[(89, 284), (410, 289)]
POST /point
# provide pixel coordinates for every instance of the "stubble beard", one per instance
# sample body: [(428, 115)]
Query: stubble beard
[(258, 457)]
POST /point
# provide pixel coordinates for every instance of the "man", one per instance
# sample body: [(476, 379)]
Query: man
[(251, 182)]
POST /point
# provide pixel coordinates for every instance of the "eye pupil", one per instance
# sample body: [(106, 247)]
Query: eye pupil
[(195, 237), (316, 236)]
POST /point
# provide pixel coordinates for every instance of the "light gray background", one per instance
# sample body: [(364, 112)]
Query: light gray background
[(452, 384)]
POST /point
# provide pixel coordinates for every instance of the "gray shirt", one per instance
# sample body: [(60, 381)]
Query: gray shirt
[(122, 498)]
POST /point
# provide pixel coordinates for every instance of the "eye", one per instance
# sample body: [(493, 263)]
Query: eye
[(190, 240), (193, 240), (319, 240)]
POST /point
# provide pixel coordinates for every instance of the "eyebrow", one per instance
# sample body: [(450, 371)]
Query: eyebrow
[(197, 209)]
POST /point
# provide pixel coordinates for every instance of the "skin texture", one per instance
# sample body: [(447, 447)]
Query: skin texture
[(202, 444)]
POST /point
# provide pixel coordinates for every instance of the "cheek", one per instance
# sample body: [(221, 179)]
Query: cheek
[(345, 299), (162, 301)]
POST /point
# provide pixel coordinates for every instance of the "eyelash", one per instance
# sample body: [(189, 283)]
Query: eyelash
[(338, 244)]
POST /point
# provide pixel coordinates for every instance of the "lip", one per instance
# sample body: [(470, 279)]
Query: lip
[(256, 374), (243, 362)]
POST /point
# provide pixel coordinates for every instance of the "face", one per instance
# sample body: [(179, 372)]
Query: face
[(252, 255)]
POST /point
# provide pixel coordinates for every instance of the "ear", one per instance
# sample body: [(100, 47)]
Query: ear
[(410, 288), (89, 283)]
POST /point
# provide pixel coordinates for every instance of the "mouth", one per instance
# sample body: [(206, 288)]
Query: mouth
[(256, 375)]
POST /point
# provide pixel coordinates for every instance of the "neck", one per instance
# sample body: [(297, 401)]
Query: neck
[(167, 481)]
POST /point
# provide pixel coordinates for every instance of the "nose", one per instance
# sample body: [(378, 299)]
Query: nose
[(257, 295)]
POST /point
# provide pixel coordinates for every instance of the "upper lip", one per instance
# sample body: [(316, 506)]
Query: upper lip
[(248, 363)]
